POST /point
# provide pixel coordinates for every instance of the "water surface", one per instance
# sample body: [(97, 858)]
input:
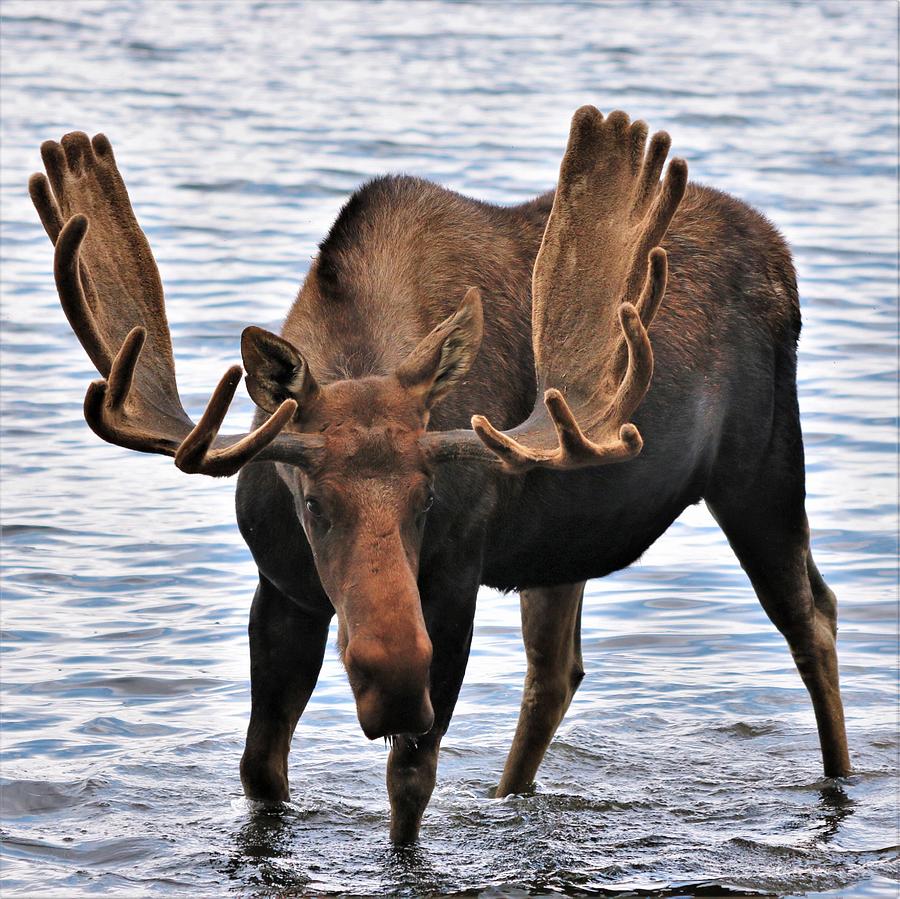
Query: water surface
[(689, 758)]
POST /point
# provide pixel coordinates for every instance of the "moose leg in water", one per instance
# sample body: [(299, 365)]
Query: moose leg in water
[(765, 522), (449, 609), (287, 645), (551, 630)]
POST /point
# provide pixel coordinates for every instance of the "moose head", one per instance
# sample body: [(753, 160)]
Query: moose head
[(362, 490)]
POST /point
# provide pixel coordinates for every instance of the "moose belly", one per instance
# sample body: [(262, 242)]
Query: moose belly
[(579, 525)]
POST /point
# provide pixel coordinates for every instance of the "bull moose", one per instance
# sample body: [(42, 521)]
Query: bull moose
[(461, 395)]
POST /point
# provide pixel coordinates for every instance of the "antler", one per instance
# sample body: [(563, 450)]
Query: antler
[(111, 293), (598, 280)]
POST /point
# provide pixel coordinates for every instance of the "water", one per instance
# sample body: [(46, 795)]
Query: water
[(689, 757)]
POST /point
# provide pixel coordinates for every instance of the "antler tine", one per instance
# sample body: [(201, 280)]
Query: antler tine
[(192, 452), (667, 202), (654, 286), (635, 383), (227, 461), (67, 271), (652, 168), (45, 203), (576, 450), (511, 453), (194, 457), (104, 402), (121, 374), (655, 221)]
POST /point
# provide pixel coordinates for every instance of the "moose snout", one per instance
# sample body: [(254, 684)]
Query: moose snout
[(391, 684)]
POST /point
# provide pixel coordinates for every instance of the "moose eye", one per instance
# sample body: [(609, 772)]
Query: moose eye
[(314, 507), (429, 502)]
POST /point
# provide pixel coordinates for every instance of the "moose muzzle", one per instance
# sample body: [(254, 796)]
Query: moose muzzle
[(371, 581), (390, 681), (386, 648)]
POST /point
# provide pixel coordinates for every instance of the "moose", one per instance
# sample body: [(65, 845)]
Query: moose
[(466, 394)]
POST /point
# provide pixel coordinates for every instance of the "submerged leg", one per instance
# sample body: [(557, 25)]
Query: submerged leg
[(551, 629), (286, 650)]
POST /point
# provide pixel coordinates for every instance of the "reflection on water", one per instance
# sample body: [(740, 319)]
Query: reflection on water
[(688, 762), (263, 851), (834, 806)]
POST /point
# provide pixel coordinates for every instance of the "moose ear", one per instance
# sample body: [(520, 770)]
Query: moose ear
[(443, 357), (275, 370)]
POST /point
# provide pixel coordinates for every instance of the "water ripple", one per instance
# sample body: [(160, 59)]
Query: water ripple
[(688, 762)]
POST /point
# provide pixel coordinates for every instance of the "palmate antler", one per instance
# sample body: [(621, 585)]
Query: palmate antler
[(598, 280), (110, 290)]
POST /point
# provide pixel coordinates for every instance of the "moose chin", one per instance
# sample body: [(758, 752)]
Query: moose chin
[(463, 394)]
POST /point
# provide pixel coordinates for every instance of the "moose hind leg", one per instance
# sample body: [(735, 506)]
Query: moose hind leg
[(777, 558), (286, 650), (551, 630)]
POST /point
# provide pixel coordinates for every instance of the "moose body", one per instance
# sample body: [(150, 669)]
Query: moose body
[(387, 510), (724, 343)]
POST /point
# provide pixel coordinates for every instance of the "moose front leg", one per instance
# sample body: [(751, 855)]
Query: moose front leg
[(551, 629), (412, 764), (287, 645)]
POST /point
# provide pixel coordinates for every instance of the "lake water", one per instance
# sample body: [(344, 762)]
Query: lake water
[(689, 759)]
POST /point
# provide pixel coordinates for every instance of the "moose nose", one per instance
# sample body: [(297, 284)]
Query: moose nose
[(381, 714), (391, 684)]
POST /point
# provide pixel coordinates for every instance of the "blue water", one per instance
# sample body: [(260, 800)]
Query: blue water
[(689, 757)]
